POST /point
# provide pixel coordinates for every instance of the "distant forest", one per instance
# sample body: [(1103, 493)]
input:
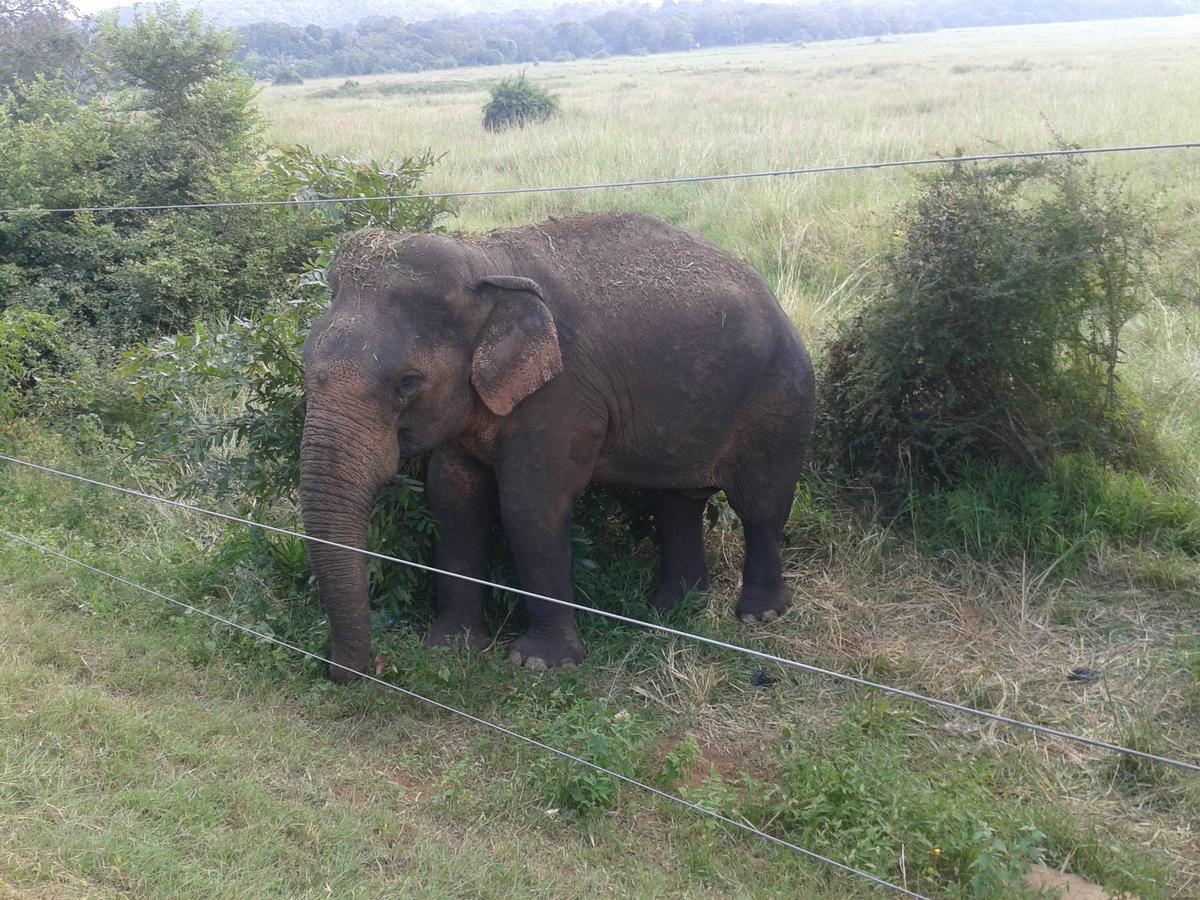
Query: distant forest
[(392, 44)]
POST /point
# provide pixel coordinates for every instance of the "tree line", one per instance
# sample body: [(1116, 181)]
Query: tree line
[(392, 44)]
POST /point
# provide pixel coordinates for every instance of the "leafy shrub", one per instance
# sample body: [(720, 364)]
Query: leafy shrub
[(591, 730), (174, 122), (680, 762), (32, 349), (995, 335), (517, 102), (286, 75), (348, 88), (859, 795)]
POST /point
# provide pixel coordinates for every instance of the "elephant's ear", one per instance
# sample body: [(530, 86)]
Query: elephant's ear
[(517, 351)]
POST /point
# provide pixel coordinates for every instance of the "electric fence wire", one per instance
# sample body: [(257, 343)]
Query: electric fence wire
[(612, 185), (271, 639), (1036, 729)]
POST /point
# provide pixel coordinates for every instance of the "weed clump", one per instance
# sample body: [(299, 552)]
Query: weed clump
[(995, 333), (517, 102), (589, 728)]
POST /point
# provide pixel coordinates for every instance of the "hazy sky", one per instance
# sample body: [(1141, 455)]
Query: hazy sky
[(95, 6)]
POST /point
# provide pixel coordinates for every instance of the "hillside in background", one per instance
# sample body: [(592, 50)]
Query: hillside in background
[(394, 43), (340, 13)]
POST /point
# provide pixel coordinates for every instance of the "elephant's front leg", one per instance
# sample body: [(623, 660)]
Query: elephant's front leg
[(462, 494), (535, 507)]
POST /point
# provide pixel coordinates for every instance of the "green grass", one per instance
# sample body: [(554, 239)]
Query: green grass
[(144, 751), (150, 753)]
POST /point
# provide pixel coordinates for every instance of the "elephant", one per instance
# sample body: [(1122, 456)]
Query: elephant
[(528, 362)]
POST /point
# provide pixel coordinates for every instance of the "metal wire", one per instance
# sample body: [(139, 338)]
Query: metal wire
[(1043, 730), (611, 185), (744, 826)]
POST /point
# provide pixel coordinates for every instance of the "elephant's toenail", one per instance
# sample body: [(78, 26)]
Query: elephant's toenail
[(770, 615), (536, 664)]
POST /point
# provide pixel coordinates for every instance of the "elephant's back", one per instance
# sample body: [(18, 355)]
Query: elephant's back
[(611, 256), (632, 272), (684, 340)]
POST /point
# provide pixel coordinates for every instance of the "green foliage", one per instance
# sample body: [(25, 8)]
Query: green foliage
[(995, 335), (348, 88), (401, 42), (286, 75), (992, 512), (32, 350), (174, 122), (592, 730), (1082, 844), (861, 796), (38, 37), (517, 102), (680, 761), (175, 77)]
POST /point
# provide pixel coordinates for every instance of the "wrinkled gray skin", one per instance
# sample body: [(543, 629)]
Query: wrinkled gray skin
[(529, 362)]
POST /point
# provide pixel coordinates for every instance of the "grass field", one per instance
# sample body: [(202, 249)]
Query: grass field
[(777, 107), (146, 753)]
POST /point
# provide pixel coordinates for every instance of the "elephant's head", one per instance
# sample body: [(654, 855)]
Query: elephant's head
[(421, 341)]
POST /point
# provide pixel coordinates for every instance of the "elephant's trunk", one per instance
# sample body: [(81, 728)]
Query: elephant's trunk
[(342, 468)]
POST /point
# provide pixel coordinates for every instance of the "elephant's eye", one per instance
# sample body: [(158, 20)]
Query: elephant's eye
[(409, 383)]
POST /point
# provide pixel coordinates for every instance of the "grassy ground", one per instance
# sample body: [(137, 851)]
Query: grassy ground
[(152, 753), (144, 752)]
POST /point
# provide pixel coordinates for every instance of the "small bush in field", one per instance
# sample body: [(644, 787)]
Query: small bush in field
[(517, 102), (995, 333), (287, 75), (588, 728)]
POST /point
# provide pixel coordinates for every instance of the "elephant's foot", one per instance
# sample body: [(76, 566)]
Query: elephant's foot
[(672, 589), (347, 667), (454, 632), (763, 603), (541, 652)]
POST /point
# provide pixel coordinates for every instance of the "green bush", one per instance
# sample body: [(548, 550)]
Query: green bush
[(32, 350), (861, 795), (994, 333), (592, 730), (517, 102), (348, 88), (172, 120), (286, 75)]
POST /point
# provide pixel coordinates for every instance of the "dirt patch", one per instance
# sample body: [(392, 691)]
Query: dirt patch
[(412, 786), (1067, 886), (727, 762)]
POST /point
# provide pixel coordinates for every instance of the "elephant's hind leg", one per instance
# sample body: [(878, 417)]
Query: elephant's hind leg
[(681, 533), (761, 493)]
